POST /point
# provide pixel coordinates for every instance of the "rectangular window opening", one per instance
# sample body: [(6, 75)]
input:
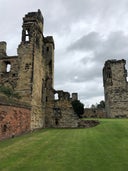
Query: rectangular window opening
[(47, 49), (8, 67)]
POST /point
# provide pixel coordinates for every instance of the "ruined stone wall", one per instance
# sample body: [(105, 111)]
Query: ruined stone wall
[(37, 116), (13, 121), (115, 88), (118, 103), (3, 47), (42, 80), (24, 83), (9, 71), (60, 113), (31, 57), (69, 119), (94, 113), (48, 50)]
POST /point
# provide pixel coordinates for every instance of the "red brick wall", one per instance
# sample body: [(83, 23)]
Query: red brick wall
[(13, 121)]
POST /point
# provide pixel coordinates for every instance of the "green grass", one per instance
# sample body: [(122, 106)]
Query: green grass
[(101, 148)]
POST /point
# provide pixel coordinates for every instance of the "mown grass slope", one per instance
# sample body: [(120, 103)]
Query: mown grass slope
[(101, 148)]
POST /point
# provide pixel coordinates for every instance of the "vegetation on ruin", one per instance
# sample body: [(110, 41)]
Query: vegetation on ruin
[(8, 92), (78, 107), (101, 148)]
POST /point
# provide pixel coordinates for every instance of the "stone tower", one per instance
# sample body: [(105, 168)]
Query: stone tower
[(31, 73), (115, 88), (30, 57), (31, 66), (36, 56), (27, 92)]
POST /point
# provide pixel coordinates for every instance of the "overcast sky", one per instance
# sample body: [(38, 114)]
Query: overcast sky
[(86, 34)]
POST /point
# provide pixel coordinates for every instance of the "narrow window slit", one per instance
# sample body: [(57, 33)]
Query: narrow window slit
[(8, 67)]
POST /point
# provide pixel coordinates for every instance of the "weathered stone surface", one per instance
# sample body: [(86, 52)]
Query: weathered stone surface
[(61, 115), (88, 123), (3, 49), (94, 113), (115, 88)]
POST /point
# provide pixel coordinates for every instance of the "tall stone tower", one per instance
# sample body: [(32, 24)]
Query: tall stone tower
[(115, 88), (30, 55), (36, 66)]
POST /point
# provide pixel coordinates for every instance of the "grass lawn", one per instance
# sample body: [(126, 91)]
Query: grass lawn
[(101, 148)]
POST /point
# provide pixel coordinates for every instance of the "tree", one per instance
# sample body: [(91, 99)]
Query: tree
[(101, 105), (78, 107), (93, 106)]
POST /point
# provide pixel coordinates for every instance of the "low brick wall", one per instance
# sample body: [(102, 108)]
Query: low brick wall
[(13, 121)]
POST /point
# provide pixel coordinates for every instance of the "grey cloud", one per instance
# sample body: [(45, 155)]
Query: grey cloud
[(85, 72), (114, 46), (68, 12), (88, 42)]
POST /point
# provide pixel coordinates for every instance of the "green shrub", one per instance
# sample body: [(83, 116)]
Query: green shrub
[(78, 107), (8, 92)]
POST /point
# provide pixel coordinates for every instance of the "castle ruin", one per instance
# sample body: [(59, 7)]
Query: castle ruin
[(115, 88), (27, 94)]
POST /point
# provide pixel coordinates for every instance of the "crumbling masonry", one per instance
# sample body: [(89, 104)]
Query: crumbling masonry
[(29, 77), (115, 88)]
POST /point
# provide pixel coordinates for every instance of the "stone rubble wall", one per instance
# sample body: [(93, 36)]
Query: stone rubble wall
[(60, 114), (9, 78), (87, 123), (94, 113)]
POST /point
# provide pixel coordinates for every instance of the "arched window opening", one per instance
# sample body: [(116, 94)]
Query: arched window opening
[(56, 97)]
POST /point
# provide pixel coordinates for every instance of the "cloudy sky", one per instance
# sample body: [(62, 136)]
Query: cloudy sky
[(86, 34)]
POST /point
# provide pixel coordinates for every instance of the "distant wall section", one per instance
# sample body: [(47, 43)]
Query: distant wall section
[(94, 113)]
